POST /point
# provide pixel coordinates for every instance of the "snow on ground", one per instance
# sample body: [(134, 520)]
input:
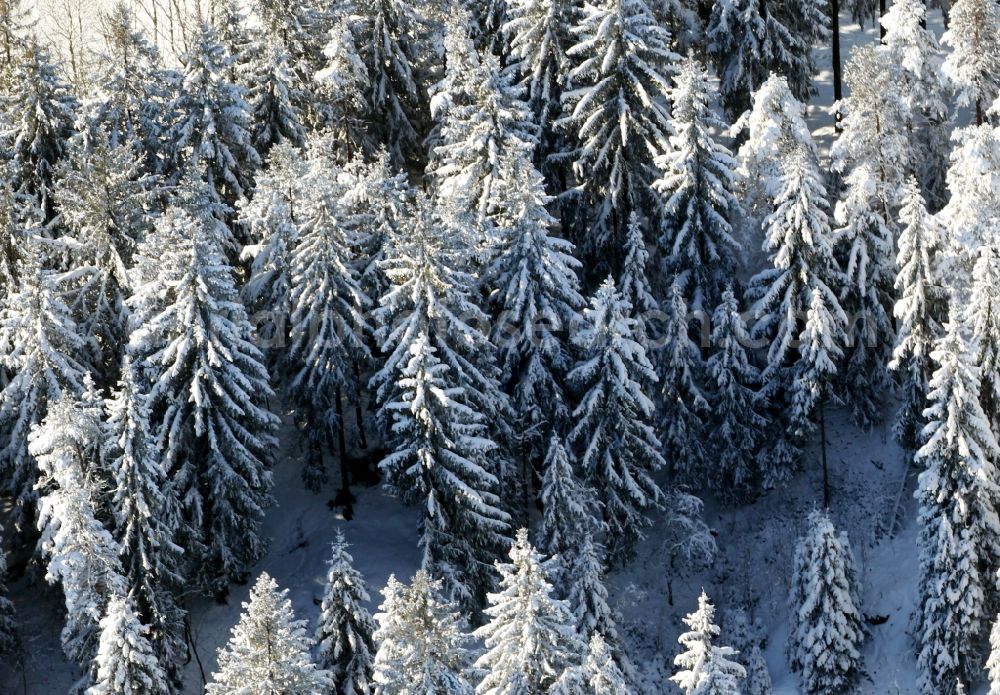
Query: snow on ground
[(869, 475)]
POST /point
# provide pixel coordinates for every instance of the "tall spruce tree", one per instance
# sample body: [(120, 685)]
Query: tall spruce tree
[(530, 636), (983, 320), (209, 415), (973, 65), (706, 669), (269, 649), (613, 419), (696, 240), (919, 311), (126, 663), (958, 525), (344, 635), (737, 426), (617, 109), (826, 622), (438, 389), (421, 641)]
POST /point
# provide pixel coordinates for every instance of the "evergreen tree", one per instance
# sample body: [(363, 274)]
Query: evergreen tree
[(104, 200), (706, 669), (569, 510), (341, 87), (421, 645), (749, 639), (613, 427), (344, 633), (484, 133), (876, 161), (587, 597), (131, 89), (958, 525), (774, 130), (634, 282), (827, 630), (273, 229), (599, 674), (973, 65), (145, 512), (617, 109), (749, 40), (38, 342), (536, 298), (80, 552), (208, 415), (269, 650), (15, 22), (798, 239), (211, 121), (993, 663), (538, 33), (919, 311), (41, 110), (8, 618), (983, 320), (530, 637), (126, 662), (270, 85), (683, 408), (737, 427), (909, 44), (696, 240), (438, 388), (327, 326), (396, 108)]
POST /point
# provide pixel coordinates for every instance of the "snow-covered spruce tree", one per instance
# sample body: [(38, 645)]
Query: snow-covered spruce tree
[(737, 425), (914, 48), (131, 89), (17, 221), (983, 321), (341, 87), (209, 415), (958, 526), (484, 130), (145, 512), (538, 33), (327, 326), (344, 634), (80, 552), (599, 674), (704, 668), (269, 650), (799, 242), (633, 280), (919, 311), (876, 161), (974, 201), (421, 641), (617, 109), (587, 597), (534, 291), (530, 636), (210, 127), (774, 129), (396, 104), (973, 64), (569, 510), (104, 199), (749, 40), (696, 241), (126, 662), (438, 390), (8, 618), (41, 110), (270, 84), (993, 663), (826, 629), (273, 229), (38, 341), (613, 419), (683, 407)]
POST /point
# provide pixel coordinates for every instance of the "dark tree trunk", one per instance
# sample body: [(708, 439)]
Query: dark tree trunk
[(838, 84), (822, 443)]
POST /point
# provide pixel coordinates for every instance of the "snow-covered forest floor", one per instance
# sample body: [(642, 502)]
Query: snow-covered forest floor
[(870, 478)]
